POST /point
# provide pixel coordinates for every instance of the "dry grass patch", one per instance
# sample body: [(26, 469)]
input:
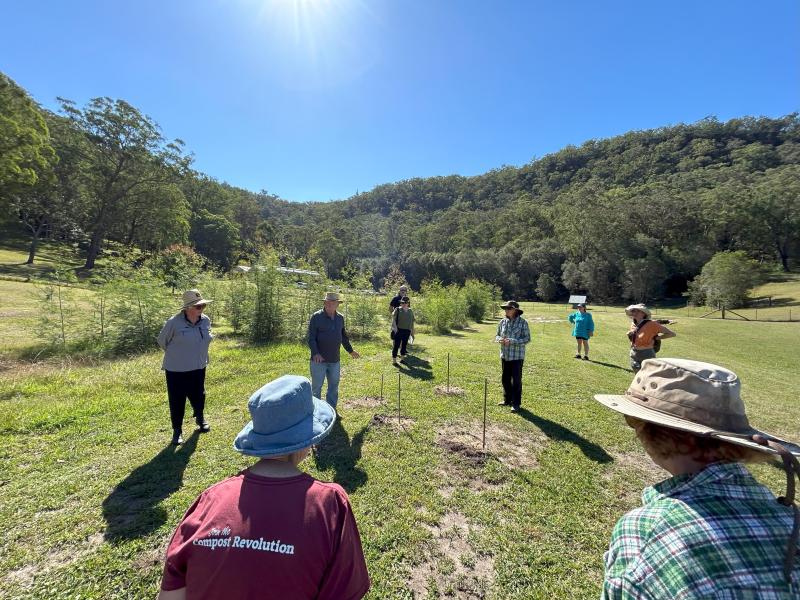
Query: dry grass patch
[(453, 390), (451, 567), (364, 402)]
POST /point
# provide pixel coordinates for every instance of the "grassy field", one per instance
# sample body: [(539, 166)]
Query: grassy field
[(90, 490)]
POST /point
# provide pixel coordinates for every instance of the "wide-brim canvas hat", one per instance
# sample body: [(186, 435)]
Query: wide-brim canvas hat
[(647, 312), (332, 297), (194, 298), (512, 304), (286, 417), (692, 396)]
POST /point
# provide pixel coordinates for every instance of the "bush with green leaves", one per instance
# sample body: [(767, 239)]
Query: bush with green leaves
[(178, 266), (726, 280), (362, 313), (436, 307), (546, 287), (138, 308), (479, 297), (239, 302)]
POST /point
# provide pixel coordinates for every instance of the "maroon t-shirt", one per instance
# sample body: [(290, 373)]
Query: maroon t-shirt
[(264, 537)]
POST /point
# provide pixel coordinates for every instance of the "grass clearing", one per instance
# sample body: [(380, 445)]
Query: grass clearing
[(90, 490)]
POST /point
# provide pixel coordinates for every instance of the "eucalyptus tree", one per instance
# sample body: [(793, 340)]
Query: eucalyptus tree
[(126, 154)]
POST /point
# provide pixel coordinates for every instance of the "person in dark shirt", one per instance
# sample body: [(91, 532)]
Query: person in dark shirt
[(326, 333), (395, 302)]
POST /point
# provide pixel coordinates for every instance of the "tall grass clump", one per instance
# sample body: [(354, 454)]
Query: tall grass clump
[(138, 308), (60, 321), (239, 300)]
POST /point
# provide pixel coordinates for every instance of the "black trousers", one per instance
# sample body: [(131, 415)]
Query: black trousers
[(400, 341), (182, 385), (512, 381)]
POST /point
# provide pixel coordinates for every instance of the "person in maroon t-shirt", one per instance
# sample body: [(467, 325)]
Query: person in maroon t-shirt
[(271, 531)]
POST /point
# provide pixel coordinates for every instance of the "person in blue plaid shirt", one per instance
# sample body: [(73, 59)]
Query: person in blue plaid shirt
[(711, 530), (512, 335)]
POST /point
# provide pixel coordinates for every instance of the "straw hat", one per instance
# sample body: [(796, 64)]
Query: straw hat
[(332, 297)]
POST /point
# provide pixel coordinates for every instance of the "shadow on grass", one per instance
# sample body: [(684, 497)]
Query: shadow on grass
[(131, 510), (609, 365), (340, 453), (415, 367), (558, 432)]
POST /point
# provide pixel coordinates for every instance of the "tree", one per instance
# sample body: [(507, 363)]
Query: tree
[(776, 207), (215, 237), (726, 280), (126, 154), (546, 287), (25, 148)]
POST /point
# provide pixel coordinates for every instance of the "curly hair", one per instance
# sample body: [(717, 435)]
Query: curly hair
[(664, 442)]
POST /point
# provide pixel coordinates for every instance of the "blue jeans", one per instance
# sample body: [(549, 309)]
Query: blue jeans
[(318, 373)]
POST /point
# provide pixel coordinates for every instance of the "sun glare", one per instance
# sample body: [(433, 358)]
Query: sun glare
[(314, 43)]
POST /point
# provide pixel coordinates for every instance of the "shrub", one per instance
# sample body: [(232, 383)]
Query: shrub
[(479, 297), (437, 306), (726, 280), (266, 324), (546, 287)]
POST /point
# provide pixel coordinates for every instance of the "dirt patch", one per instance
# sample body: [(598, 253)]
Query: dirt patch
[(453, 390), (391, 422), (149, 558), (450, 566), (512, 448), (365, 402), (22, 577)]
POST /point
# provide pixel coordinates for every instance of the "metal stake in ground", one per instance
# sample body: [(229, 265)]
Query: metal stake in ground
[(398, 399), (448, 372), (485, 394), (381, 387)]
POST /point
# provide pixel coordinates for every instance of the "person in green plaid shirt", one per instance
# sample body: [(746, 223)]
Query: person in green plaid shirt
[(711, 530), (512, 335)]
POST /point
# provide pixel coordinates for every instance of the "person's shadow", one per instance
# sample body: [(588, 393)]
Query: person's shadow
[(558, 432), (415, 367), (605, 364), (340, 453), (131, 510)]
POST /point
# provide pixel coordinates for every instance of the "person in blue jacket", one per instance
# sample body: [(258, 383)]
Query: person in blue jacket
[(583, 329)]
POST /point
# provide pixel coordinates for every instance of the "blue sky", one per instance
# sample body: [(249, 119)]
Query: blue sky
[(316, 99)]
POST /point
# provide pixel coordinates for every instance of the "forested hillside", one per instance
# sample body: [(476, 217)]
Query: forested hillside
[(630, 217)]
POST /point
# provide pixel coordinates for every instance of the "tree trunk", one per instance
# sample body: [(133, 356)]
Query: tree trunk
[(94, 250), (35, 233), (32, 249)]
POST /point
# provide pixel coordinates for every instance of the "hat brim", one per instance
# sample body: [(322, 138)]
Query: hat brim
[(197, 303), (519, 310), (321, 422), (647, 313), (622, 404)]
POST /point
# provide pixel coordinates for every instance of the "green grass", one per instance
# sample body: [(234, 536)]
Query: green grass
[(90, 491)]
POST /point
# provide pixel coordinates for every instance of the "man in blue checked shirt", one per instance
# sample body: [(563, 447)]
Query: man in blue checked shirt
[(512, 335)]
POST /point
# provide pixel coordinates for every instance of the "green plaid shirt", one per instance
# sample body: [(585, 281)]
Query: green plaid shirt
[(518, 332), (717, 534)]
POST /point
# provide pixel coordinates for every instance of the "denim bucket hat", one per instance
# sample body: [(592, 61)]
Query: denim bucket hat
[(286, 418)]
